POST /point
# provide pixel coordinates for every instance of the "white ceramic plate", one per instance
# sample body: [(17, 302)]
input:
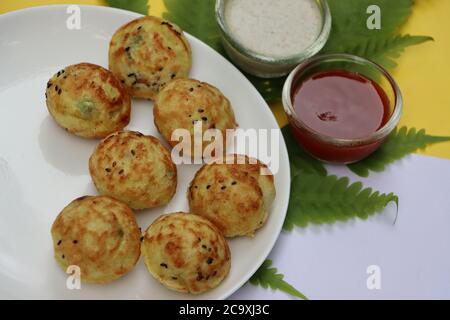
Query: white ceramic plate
[(43, 168)]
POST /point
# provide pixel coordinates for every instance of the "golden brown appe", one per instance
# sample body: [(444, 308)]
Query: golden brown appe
[(135, 169), (186, 253), (88, 101), (235, 197), (99, 235), (148, 52), (183, 103)]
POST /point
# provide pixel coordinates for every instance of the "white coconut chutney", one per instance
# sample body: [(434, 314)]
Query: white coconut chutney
[(274, 28)]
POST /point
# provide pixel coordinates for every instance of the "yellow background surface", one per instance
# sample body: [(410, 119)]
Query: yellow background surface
[(423, 73)]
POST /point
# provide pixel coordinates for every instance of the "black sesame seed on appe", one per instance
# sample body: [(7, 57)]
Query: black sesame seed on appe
[(210, 260), (164, 265), (75, 241), (59, 242)]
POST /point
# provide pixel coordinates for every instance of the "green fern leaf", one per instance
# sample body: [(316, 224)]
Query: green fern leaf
[(384, 50), (350, 34), (350, 16), (268, 277), (299, 159), (324, 200), (400, 143), (270, 89), (196, 17), (139, 6)]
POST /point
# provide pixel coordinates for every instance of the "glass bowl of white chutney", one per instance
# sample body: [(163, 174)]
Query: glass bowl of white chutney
[(269, 38)]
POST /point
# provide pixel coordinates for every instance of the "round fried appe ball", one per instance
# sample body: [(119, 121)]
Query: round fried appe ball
[(99, 235), (235, 197), (135, 169), (148, 52), (185, 103), (88, 101), (186, 253)]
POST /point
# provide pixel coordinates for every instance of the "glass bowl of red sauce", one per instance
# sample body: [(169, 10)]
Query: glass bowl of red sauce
[(341, 107)]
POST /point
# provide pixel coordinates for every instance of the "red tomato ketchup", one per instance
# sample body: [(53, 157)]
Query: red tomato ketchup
[(341, 107)]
